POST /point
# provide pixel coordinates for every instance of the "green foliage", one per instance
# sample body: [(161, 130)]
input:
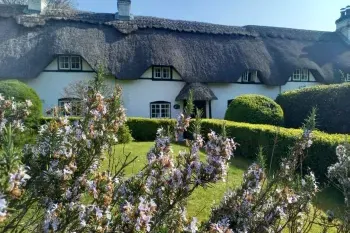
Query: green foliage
[(331, 101), (124, 135), (44, 120), (144, 129), (21, 92), (251, 137), (255, 109)]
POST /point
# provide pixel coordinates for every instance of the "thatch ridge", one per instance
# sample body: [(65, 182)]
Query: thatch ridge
[(200, 91), (200, 52)]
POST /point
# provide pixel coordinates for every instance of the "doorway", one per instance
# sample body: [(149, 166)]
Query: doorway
[(199, 104)]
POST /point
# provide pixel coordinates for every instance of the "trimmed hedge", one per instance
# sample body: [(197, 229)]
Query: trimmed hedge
[(145, 129), (251, 136), (332, 102), (21, 92), (255, 109)]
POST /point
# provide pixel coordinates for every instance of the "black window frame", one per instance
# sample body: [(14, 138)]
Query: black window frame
[(159, 103), (250, 76), (299, 72), (162, 68), (70, 69)]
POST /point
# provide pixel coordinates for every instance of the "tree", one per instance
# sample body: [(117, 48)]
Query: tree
[(52, 4)]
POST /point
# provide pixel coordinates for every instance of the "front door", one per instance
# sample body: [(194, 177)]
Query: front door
[(199, 104)]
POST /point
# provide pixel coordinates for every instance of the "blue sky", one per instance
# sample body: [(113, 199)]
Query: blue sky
[(303, 14)]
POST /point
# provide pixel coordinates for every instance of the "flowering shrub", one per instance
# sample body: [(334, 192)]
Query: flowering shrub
[(57, 185)]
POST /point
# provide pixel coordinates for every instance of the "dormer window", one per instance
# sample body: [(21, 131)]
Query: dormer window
[(250, 76), (66, 62), (300, 75), (162, 72)]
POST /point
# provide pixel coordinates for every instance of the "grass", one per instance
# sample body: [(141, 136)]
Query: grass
[(201, 201)]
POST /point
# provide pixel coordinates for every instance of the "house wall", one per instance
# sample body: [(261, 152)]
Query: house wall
[(225, 92), (50, 84), (138, 94)]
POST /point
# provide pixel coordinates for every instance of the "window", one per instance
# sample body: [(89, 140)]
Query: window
[(157, 72), (301, 75), (160, 109), (64, 63), (162, 72), (69, 63), (249, 76), (75, 108), (76, 63)]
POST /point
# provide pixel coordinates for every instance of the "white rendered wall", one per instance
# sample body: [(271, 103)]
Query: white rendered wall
[(228, 91), (138, 94), (225, 92), (50, 84)]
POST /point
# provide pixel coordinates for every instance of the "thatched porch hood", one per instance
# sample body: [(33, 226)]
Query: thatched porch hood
[(200, 52)]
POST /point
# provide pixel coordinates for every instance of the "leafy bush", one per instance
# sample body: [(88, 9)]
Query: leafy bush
[(124, 135), (45, 120), (145, 129), (251, 136), (255, 109), (332, 102), (21, 92)]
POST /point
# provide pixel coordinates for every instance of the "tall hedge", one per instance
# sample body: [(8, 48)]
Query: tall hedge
[(256, 109), (21, 92), (332, 102), (145, 129), (251, 136)]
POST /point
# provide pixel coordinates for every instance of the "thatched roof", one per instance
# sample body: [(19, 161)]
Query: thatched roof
[(200, 52), (200, 91)]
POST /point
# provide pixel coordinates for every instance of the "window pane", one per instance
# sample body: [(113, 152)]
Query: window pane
[(64, 62), (305, 75), (166, 73), (157, 72), (296, 75), (76, 63), (245, 77), (160, 110)]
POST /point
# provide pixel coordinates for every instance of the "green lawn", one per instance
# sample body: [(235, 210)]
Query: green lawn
[(202, 199)]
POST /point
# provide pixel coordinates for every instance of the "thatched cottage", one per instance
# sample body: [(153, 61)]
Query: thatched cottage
[(157, 61)]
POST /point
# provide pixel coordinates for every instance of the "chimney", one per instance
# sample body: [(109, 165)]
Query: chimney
[(124, 8), (343, 23), (37, 6)]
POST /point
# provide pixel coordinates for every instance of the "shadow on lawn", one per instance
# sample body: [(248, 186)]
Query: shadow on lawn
[(332, 199)]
